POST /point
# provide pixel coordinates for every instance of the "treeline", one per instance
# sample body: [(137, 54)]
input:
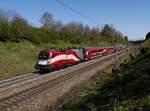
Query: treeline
[(15, 28)]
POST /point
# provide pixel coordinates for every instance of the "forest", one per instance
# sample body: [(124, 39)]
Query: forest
[(15, 28)]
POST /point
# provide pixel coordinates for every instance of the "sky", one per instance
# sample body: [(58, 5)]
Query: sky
[(131, 17)]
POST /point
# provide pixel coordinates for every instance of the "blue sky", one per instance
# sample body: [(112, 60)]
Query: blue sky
[(131, 17)]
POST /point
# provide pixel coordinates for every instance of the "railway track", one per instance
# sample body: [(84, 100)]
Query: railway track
[(21, 96), (15, 80), (4, 84), (8, 84)]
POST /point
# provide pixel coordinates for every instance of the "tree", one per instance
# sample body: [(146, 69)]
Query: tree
[(19, 21), (95, 32), (4, 16), (57, 26), (126, 38), (4, 25), (19, 27), (47, 20), (147, 36), (108, 31), (86, 30)]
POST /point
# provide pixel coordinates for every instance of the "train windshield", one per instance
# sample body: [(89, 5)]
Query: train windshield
[(43, 56)]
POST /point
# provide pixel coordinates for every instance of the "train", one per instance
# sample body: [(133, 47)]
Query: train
[(53, 59)]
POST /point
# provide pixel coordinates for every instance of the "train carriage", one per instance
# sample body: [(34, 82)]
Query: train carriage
[(94, 52), (50, 59)]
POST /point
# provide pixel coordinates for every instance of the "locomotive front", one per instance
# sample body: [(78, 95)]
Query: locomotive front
[(43, 62)]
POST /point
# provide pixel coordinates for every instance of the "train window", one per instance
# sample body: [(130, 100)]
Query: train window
[(43, 56), (92, 52)]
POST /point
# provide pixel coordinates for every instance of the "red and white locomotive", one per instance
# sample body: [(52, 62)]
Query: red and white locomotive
[(50, 59)]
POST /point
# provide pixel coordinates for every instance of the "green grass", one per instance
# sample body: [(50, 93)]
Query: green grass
[(17, 58), (20, 58), (127, 90)]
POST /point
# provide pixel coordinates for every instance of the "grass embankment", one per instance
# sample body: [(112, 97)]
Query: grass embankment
[(127, 90), (16, 58), (20, 58)]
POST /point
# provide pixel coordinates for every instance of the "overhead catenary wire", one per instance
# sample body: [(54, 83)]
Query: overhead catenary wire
[(77, 12)]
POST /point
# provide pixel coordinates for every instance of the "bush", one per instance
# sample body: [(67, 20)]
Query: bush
[(144, 50)]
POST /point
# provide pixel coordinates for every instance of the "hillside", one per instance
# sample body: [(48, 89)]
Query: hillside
[(127, 90)]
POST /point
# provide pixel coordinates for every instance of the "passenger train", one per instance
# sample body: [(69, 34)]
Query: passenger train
[(52, 59)]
